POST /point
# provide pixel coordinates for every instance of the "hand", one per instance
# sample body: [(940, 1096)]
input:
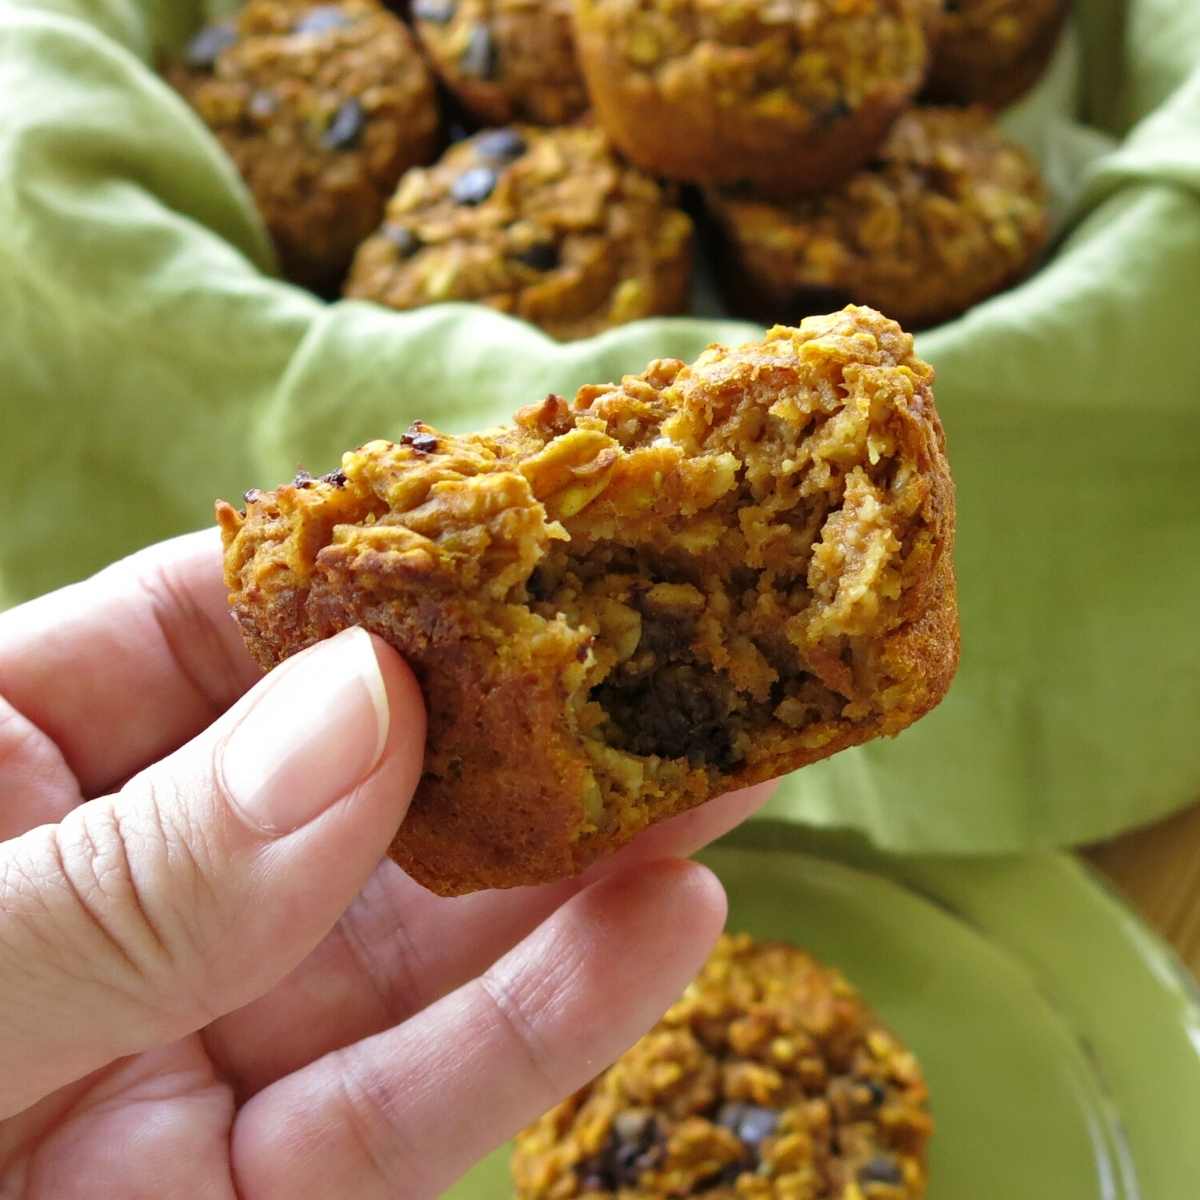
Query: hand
[(210, 985)]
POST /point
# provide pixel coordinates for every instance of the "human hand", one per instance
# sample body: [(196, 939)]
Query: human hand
[(210, 986)]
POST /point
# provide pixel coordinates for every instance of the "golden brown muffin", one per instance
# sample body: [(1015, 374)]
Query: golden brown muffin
[(545, 224), (322, 107), (992, 51), (505, 60), (693, 580), (949, 213), (788, 98), (769, 1079)]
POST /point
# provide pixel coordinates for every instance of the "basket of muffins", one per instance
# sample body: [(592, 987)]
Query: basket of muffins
[(566, 161)]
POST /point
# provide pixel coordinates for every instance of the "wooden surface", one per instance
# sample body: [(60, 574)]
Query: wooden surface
[(1158, 870)]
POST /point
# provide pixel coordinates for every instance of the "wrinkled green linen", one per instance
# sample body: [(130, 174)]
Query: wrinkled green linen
[(149, 363)]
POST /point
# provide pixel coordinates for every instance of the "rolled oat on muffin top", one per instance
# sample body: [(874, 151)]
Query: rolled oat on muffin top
[(948, 213), (788, 96), (322, 107), (769, 1079), (991, 51), (505, 60), (546, 224)]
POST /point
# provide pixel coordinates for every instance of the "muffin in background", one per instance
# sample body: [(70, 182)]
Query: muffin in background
[(770, 1079), (948, 213), (786, 98), (322, 107), (505, 60), (546, 224), (992, 51)]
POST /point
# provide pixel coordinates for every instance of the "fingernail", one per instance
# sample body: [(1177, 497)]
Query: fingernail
[(315, 732)]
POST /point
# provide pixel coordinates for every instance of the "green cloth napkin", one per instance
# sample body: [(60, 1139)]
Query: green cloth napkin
[(149, 363)]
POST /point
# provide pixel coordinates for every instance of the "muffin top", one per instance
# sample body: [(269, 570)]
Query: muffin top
[(322, 107), (330, 79), (807, 63), (506, 60), (547, 224), (948, 211), (769, 1078)]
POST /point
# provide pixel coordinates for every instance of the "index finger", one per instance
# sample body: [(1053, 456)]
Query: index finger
[(125, 667)]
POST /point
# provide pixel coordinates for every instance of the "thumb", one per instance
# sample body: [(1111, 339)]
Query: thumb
[(144, 915)]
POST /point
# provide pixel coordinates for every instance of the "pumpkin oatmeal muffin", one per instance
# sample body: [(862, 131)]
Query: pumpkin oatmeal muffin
[(948, 213), (787, 98), (698, 578), (769, 1079), (505, 60), (545, 224), (992, 51), (322, 107)]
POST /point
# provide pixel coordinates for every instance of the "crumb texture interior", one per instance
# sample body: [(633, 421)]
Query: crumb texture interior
[(702, 570)]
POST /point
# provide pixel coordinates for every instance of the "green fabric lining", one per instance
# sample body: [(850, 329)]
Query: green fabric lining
[(150, 363)]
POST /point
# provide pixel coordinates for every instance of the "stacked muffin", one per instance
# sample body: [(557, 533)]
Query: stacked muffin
[(795, 129)]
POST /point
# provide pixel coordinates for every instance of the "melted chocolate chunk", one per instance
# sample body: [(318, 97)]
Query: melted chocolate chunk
[(749, 1123), (406, 241), (480, 56), (202, 52), (263, 104), (832, 113), (474, 185), (346, 127), (336, 478), (881, 1169), (501, 145), (323, 19), (440, 12), (634, 1146), (541, 256)]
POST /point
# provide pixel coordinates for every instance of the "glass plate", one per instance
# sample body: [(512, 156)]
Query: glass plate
[(1060, 1038)]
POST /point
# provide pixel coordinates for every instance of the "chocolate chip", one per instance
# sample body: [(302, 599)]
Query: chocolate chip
[(440, 12), (251, 496), (832, 113), (346, 127), (502, 145), (202, 52), (263, 104), (878, 1092), (541, 256), (303, 478), (419, 440), (748, 1122), (634, 1146), (322, 20), (474, 185), (880, 1169), (336, 478), (480, 56), (406, 241)]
